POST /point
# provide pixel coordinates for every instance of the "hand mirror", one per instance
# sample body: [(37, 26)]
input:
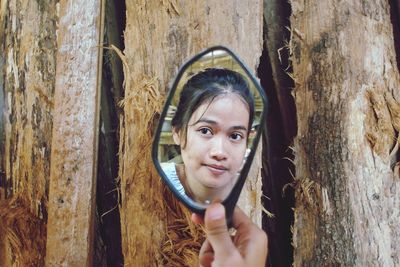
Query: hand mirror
[(209, 130)]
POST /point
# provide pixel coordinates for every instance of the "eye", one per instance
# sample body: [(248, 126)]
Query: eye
[(205, 131), (236, 136)]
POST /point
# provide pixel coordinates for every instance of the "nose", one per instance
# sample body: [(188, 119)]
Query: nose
[(218, 149)]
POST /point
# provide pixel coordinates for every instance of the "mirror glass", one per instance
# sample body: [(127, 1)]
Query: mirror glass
[(208, 128)]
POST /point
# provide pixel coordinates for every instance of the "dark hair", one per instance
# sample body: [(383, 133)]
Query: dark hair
[(206, 86)]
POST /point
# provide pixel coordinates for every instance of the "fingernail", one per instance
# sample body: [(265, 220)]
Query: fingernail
[(216, 212)]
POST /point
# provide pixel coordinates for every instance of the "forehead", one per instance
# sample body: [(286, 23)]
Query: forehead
[(224, 109)]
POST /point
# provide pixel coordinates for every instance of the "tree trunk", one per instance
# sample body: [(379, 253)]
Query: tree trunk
[(159, 36), (348, 108), (27, 69), (75, 134)]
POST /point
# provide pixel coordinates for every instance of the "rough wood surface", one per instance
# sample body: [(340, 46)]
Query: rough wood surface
[(22, 235), (75, 132), (159, 36), (348, 108), (27, 69)]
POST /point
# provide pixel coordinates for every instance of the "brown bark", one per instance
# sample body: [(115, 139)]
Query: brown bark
[(347, 98), (28, 86), (27, 68), (22, 235), (159, 36), (75, 133)]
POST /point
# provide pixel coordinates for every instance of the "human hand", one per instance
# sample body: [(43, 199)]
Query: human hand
[(248, 247)]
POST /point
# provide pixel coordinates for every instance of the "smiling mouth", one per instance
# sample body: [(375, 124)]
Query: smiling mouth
[(216, 169)]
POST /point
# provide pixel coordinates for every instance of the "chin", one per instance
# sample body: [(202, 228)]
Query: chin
[(214, 185)]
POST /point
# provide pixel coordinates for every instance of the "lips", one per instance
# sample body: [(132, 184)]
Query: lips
[(216, 169)]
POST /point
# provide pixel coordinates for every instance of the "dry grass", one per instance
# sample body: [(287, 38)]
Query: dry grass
[(183, 239), (22, 234), (147, 205)]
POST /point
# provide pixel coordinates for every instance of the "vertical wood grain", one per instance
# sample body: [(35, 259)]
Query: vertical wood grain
[(347, 98), (27, 79), (75, 133), (159, 37)]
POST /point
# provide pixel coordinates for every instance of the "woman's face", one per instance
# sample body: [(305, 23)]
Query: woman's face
[(216, 144)]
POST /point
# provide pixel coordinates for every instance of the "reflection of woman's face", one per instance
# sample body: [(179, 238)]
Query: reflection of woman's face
[(216, 144)]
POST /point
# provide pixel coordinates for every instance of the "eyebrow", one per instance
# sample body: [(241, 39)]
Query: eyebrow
[(239, 127)]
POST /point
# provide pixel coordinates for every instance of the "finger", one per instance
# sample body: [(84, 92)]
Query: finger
[(217, 231), (197, 219), (206, 255), (258, 247)]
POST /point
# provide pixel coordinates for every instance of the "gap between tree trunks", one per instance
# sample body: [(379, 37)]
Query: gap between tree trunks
[(108, 249), (280, 131)]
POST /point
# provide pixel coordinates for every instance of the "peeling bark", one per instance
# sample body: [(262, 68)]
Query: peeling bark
[(347, 98), (27, 69), (28, 87)]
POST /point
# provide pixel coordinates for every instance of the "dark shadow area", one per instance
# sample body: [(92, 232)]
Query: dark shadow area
[(3, 180), (2, 134), (395, 19), (108, 244), (278, 136)]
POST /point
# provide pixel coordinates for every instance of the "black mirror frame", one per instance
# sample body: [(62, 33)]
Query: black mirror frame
[(231, 200)]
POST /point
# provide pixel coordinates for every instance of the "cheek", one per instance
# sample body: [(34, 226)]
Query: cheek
[(198, 150), (238, 155), (195, 147)]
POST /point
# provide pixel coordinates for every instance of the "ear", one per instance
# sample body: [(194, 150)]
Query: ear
[(176, 136)]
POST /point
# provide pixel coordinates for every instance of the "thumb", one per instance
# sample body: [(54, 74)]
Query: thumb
[(217, 230)]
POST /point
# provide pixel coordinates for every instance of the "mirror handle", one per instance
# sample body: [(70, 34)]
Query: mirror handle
[(229, 221), (229, 208)]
